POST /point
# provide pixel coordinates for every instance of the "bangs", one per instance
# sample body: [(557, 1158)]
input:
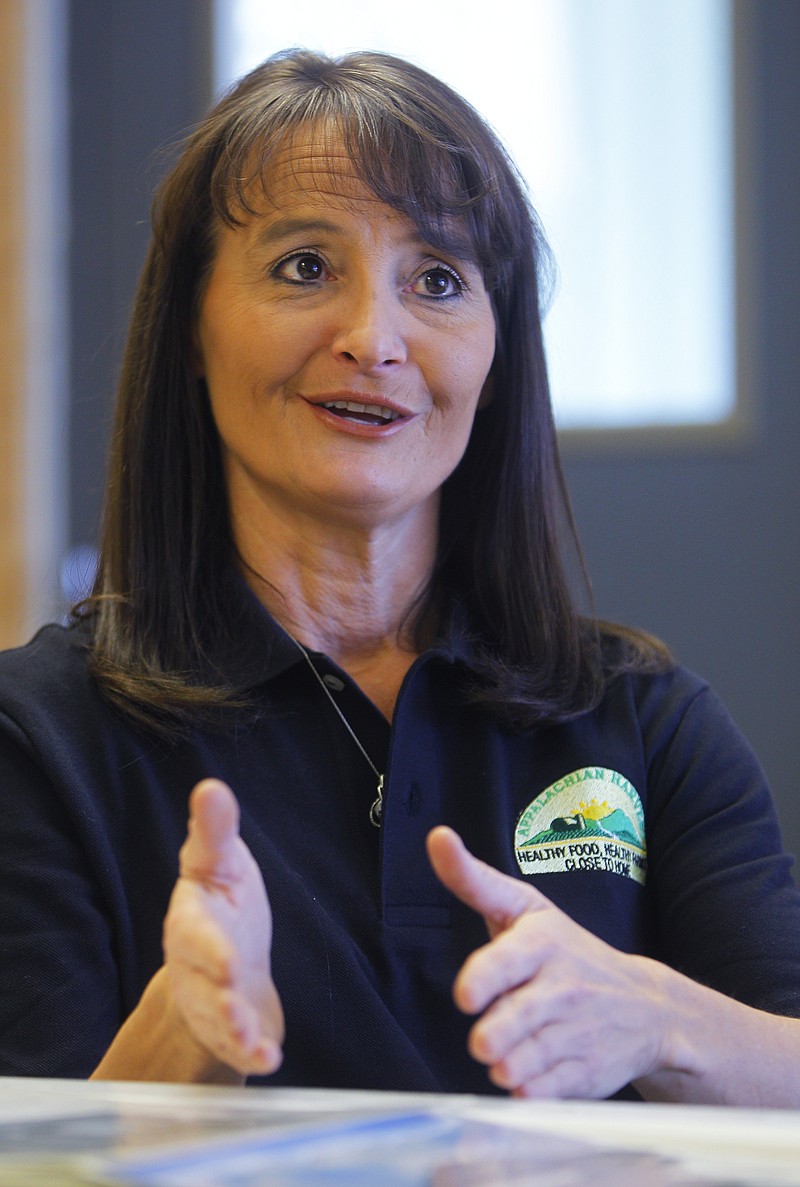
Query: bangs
[(415, 144)]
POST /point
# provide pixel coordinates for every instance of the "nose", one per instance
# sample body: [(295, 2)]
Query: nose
[(370, 332)]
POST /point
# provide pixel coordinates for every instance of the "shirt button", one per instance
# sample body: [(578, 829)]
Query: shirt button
[(333, 682)]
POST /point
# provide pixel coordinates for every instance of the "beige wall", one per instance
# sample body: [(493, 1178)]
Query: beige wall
[(32, 363), (13, 568)]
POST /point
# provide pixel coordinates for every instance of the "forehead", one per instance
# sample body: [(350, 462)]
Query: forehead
[(313, 164)]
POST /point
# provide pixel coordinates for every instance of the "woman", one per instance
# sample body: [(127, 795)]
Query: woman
[(331, 577)]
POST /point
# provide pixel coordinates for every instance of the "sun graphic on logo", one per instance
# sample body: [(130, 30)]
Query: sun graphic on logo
[(594, 811)]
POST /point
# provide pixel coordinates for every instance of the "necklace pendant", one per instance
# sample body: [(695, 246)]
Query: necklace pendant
[(376, 811)]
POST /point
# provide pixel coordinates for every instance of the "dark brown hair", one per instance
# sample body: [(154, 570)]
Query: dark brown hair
[(161, 606)]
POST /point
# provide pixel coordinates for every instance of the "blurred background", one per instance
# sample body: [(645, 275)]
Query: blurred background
[(661, 142)]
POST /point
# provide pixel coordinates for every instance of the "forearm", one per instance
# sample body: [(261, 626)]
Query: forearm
[(715, 1050), (156, 1044)]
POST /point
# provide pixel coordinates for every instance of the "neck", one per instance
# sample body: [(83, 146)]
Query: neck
[(349, 591)]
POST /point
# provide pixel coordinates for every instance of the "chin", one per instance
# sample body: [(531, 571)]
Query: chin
[(375, 505)]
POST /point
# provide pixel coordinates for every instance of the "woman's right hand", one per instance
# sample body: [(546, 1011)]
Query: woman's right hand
[(217, 939)]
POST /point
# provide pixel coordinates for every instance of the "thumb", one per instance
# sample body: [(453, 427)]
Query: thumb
[(212, 832), (497, 897)]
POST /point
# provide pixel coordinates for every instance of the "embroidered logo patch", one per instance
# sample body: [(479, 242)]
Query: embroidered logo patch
[(592, 819)]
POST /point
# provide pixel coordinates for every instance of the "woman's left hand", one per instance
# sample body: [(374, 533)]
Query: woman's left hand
[(563, 1014)]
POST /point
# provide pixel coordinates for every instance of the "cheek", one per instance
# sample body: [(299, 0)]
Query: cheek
[(233, 381), (480, 344), (470, 365), (263, 353), (236, 363)]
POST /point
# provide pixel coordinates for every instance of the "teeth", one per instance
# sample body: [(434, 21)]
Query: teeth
[(368, 409)]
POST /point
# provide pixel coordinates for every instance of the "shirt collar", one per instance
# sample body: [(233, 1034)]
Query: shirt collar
[(257, 648), (254, 649)]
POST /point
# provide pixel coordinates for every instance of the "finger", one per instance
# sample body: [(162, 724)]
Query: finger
[(527, 1061), (565, 1080), (194, 937), (562, 1060), (511, 960), (212, 832), (543, 1064), (225, 1023), (497, 897), (512, 1019)]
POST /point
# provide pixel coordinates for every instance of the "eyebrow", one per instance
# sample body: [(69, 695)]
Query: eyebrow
[(282, 228), (288, 227)]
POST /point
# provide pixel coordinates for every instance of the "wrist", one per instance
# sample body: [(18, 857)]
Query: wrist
[(688, 1021), (155, 1043)]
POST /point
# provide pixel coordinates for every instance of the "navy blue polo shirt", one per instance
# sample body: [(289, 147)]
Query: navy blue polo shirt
[(647, 820)]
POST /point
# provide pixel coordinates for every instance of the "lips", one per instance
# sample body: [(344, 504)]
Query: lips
[(361, 409), (371, 414)]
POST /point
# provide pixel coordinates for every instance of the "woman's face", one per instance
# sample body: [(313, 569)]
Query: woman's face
[(344, 356)]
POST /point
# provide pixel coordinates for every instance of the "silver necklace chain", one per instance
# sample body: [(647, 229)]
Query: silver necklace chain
[(376, 809)]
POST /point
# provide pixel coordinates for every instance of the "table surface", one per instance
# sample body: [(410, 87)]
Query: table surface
[(71, 1132)]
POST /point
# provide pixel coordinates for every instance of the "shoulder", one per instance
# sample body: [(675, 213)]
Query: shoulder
[(68, 759), (673, 707), (48, 699), (673, 719), (53, 641), (52, 667), (641, 673), (694, 760)]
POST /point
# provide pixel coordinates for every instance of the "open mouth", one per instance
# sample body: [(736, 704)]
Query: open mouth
[(367, 414)]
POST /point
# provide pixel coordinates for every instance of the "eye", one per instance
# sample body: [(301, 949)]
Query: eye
[(439, 282), (301, 267)]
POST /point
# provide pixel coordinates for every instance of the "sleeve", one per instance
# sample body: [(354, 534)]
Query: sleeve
[(59, 985), (727, 906)]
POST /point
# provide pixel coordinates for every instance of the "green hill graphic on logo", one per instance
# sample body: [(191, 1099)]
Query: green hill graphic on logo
[(592, 819)]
